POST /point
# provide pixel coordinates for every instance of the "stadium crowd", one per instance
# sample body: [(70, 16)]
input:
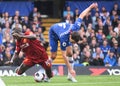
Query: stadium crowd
[(99, 35), (99, 43)]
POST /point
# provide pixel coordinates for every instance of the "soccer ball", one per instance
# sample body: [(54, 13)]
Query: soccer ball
[(39, 76)]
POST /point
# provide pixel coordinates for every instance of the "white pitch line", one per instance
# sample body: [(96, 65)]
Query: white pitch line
[(94, 83), (101, 83), (2, 83)]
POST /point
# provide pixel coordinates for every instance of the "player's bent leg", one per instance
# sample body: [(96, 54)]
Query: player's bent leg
[(21, 69), (53, 55), (47, 67), (70, 58)]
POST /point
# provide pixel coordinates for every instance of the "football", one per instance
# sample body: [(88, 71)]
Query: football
[(39, 76)]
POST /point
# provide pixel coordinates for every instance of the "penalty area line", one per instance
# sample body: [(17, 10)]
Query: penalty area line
[(2, 83)]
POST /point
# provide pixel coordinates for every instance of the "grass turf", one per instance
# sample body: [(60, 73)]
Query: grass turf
[(103, 80)]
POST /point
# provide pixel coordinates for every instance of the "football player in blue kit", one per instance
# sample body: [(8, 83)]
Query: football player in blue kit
[(67, 34)]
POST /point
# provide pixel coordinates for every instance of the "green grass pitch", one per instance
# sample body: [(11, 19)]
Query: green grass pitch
[(83, 80)]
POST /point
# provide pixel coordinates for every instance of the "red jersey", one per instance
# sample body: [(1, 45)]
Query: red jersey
[(32, 48)]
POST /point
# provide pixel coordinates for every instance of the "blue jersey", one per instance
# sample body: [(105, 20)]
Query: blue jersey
[(61, 32), (105, 49)]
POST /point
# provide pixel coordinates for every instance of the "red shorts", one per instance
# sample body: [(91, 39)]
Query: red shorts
[(30, 62)]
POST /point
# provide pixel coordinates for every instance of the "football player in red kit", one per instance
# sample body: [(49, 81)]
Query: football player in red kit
[(33, 50)]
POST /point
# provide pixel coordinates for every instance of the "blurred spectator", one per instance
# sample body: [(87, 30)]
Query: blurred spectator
[(111, 41), (82, 31), (68, 19), (83, 43), (17, 14), (92, 36), (7, 54), (86, 58), (16, 24), (6, 32), (110, 59), (93, 45), (39, 17), (116, 48), (33, 13), (87, 19), (86, 55), (117, 29), (105, 47), (76, 54), (76, 14), (99, 36), (115, 21), (40, 21), (101, 26), (5, 18), (116, 8), (104, 12), (26, 22), (104, 17), (24, 28), (1, 55), (40, 37), (113, 13), (94, 19), (89, 30), (33, 28), (9, 49), (36, 21), (1, 36), (68, 11), (107, 23), (98, 57), (118, 39), (110, 31)]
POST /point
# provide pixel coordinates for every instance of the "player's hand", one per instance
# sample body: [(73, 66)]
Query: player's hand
[(8, 63), (72, 72), (93, 5)]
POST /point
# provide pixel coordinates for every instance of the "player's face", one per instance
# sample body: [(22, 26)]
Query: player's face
[(71, 40)]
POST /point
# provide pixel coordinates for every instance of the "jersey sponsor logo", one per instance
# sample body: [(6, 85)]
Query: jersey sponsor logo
[(66, 32), (79, 24), (24, 45), (64, 44)]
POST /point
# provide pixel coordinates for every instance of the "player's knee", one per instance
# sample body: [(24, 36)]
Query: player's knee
[(53, 56)]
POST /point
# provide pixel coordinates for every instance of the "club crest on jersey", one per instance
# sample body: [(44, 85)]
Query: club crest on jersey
[(64, 44)]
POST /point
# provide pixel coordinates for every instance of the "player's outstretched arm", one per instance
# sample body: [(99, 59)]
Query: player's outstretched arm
[(85, 12), (30, 36), (33, 36), (15, 55)]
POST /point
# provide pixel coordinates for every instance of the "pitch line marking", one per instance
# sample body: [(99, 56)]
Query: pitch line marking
[(2, 83)]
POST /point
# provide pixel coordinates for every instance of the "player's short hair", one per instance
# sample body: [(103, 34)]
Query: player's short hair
[(16, 30), (75, 36)]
